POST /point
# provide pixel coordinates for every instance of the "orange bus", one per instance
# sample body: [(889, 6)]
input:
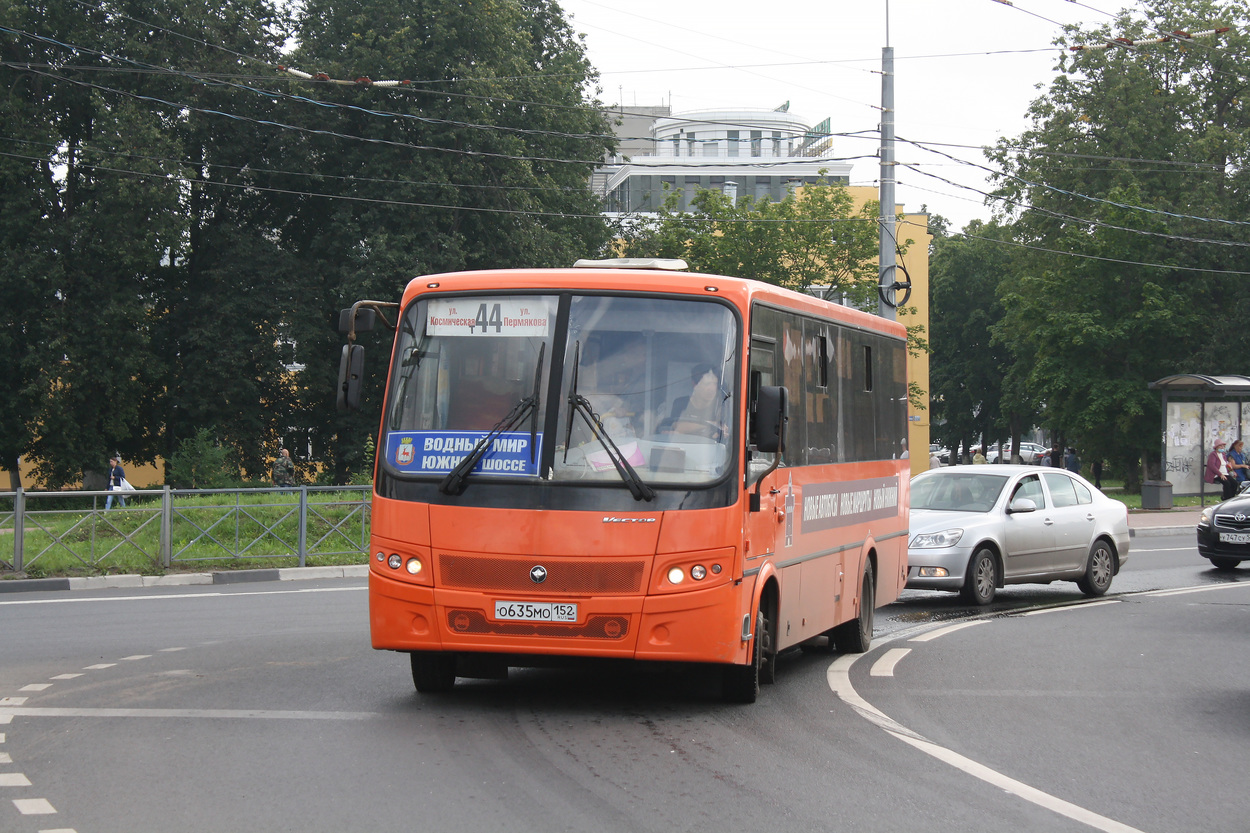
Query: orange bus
[(623, 460)]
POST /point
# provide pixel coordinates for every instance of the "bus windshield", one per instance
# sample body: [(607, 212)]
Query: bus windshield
[(646, 394)]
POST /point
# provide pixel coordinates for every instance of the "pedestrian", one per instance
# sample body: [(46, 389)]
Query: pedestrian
[(977, 457), (935, 462), (283, 469), (1071, 462), (116, 475), (1097, 469), (1239, 462), (1218, 471), (1046, 460)]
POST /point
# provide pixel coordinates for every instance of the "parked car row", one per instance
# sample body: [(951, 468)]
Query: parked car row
[(976, 529)]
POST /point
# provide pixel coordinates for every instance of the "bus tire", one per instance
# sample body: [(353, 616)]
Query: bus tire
[(741, 683), (433, 672), (855, 636)]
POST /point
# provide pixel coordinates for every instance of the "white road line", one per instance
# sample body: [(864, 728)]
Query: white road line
[(12, 701), (65, 676), (13, 779), (1017, 788), (5, 719), (884, 667), (170, 650), (36, 687), (60, 830), (1, 737), (1065, 608), (99, 666), (5, 758), (1183, 590), (839, 679), (162, 596), (246, 714), (34, 806), (931, 635), (134, 657)]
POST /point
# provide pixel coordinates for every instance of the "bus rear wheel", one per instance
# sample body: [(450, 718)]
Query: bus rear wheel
[(855, 636), (432, 672)]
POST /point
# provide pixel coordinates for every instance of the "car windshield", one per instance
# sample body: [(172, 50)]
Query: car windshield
[(957, 491)]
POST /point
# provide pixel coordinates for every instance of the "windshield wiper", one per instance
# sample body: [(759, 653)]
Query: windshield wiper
[(581, 405), (455, 481)]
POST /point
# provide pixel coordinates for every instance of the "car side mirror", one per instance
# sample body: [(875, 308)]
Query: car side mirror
[(366, 318), (1021, 505)]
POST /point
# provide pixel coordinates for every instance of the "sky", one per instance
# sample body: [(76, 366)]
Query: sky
[(965, 72)]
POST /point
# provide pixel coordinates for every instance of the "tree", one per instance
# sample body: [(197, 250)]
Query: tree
[(1136, 164)]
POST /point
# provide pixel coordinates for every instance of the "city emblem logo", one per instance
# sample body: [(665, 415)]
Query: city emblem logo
[(538, 574), (405, 452)]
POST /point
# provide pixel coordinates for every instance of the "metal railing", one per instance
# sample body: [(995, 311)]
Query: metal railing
[(165, 528)]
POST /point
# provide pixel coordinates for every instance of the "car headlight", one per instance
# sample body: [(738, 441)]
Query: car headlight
[(1207, 516), (945, 538)]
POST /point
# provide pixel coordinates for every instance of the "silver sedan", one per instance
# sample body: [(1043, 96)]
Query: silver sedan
[(977, 528)]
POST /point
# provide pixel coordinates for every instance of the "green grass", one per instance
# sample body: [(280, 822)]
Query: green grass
[(66, 536), (1115, 489)]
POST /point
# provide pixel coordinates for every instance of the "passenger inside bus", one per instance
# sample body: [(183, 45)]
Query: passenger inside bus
[(702, 413)]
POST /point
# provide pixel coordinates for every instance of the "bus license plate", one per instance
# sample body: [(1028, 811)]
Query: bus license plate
[(1235, 537), (536, 611)]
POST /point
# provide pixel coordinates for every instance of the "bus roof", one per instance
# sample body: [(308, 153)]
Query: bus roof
[(742, 292)]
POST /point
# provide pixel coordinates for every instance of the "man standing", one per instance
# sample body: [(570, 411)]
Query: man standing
[(283, 469)]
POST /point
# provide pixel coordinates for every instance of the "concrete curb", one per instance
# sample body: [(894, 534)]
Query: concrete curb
[(1159, 531), (32, 585)]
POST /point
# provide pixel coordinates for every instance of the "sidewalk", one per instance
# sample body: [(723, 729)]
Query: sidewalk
[(1148, 522)]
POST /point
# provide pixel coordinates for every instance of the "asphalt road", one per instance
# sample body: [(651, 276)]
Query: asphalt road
[(262, 708)]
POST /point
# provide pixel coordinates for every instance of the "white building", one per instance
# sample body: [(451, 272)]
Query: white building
[(744, 152)]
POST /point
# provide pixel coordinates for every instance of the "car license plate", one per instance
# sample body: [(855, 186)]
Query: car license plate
[(1235, 537), (536, 611)]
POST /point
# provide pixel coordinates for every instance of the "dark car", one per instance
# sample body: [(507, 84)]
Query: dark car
[(1224, 532)]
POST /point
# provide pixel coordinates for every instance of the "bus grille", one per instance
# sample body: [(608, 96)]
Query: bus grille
[(608, 577), (596, 627)]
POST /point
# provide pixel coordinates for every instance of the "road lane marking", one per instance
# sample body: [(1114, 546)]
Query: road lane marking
[(99, 666), (1202, 589), (839, 678), (884, 667), (135, 657), (170, 650), (14, 779), (65, 676), (5, 758), (162, 596), (931, 635), (34, 806), (36, 687), (245, 714), (1062, 608), (12, 701)]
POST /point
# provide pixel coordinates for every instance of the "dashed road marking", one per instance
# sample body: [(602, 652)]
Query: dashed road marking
[(14, 779), (65, 676), (1068, 608), (884, 667), (99, 666), (12, 701), (934, 634), (36, 687), (34, 806), (264, 714), (5, 759), (135, 657), (168, 650)]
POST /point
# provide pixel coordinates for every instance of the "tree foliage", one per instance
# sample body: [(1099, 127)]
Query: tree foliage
[(1126, 200), (182, 221)]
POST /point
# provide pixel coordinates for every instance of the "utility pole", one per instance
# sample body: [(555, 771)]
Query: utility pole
[(887, 247)]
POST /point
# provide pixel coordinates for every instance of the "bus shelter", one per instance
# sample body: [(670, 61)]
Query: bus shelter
[(1197, 411)]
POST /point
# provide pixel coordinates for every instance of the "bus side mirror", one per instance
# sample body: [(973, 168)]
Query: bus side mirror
[(351, 368), (365, 320), (772, 411)]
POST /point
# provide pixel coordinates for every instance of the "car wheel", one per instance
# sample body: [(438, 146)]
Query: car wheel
[(1098, 571), (982, 578), (855, 636), (432, 672), (1224, 563)]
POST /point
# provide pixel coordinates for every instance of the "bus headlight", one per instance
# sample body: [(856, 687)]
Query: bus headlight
[(676, 576), (394, 561), (413, 565), (698, 572)]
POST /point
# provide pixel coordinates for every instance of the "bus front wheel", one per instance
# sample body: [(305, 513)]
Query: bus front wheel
[(433, 672), (741, 683)]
